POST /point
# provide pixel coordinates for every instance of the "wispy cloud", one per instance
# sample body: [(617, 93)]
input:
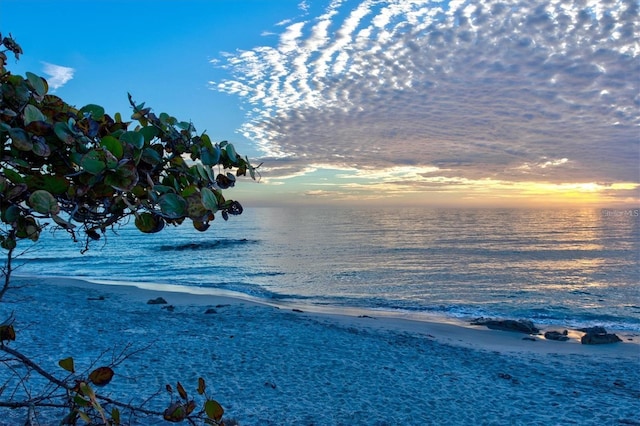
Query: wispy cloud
[(511, 90), (58, 75)]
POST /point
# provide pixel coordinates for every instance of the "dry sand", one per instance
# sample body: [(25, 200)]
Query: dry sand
[(293, 365)]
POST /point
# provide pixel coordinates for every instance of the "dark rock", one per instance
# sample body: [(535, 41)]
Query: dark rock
[(556, 335), (297, 310), (519, 326), (599, 338), (210, 311), (157, 301), (595, 330), (169, 308), (96, 298)]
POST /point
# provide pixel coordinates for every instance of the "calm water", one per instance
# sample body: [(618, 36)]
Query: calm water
[(574, 267)]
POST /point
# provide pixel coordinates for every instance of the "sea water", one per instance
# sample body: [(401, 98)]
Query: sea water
[(577, 267)]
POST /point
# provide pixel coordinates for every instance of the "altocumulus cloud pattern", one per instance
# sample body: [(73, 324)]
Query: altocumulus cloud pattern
[(512, 90)]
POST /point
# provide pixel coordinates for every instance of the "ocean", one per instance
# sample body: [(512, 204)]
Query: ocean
[(575, 267)]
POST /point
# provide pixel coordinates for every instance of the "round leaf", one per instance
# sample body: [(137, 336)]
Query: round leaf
[(149, 223), (32, 113), (213, 410), (93, 162), (101, 376), (133, 138), (38, 84), (65, 134), (113, 145), (20, 139), (43, 202), (173, 205), (96, 111)]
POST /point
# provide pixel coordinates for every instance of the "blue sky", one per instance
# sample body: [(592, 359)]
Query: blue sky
[(498, 102)]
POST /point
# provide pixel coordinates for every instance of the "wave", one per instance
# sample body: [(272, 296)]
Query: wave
[(207, 245)]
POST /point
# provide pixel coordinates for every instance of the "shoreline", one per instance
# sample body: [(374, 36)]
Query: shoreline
[(445, 330), (269, 364)]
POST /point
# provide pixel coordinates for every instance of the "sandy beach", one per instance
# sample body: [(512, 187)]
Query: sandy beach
[(295, 365)]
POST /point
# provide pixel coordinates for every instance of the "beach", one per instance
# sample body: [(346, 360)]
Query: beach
[(270, 364)]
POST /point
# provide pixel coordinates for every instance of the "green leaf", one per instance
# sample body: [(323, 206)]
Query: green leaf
[(13, 176), (67, 364), (20, 139), (115, 415), (101, 376), (210, 156), (40, 148), (43, 202), (96, 111), (209, 199), (151, 156), (149, 132), (149, 223), (32, 113), (64, 133), (231, 153), (135, 139), (213, 410), (11, 214), (113, 145), (93, 162), (172, 205), (175, 413), (38, 84)]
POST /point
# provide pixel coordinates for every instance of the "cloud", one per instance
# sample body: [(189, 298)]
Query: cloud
[(511, 90), (58, 75)]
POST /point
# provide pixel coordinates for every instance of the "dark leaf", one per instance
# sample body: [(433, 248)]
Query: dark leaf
[(101, 376)]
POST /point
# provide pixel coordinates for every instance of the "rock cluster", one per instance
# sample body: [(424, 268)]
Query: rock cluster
[(597, 336), (520, 326)]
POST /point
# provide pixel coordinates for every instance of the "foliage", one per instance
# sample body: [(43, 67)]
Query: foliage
[(80, 167), (88, 171), (77, 395)]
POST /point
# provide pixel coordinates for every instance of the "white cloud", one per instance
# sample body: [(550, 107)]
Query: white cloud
[(58, 75), (478, 89)]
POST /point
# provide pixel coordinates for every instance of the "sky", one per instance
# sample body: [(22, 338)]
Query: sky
[(385, 103)]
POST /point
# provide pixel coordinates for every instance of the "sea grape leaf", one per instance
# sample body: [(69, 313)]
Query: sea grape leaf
[(101, 376), (113, 145), (210, 156), (31, 113), (115, 415), (67, 364), (38, 84), (43, 202), (64, 133), (95, 111), (135, 139), (40, 147), (93, 162), (7, 333), (181, 391), (231, 153), (175, 413), (20, 139), (149, 223), (202, 386), (172, 205), (61, 222), (213, 410), (209, 199)]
